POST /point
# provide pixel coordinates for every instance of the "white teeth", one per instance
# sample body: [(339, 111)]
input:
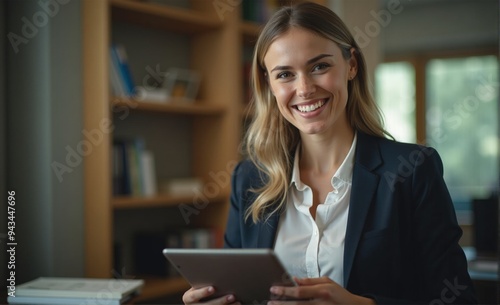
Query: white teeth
[(309, 108)]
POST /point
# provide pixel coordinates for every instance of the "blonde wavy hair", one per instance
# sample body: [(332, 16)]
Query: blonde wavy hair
[(271, 140)]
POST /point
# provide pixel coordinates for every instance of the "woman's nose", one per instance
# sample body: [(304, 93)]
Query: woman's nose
[(306, 87)]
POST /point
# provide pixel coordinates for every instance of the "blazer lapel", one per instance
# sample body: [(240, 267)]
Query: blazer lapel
[(364, 185)]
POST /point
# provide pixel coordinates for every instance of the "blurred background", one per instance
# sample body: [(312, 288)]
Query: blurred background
[(121, 121)]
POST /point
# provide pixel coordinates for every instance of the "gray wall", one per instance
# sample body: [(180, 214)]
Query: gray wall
[(44, 111)]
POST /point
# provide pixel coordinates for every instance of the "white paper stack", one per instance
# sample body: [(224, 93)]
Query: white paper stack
[(48, 290)]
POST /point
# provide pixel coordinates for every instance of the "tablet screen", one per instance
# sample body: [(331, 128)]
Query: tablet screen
[(246, 273)]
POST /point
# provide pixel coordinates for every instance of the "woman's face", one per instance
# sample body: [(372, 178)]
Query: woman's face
[(308, 77)]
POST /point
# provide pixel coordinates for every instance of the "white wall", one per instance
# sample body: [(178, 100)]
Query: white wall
[(44, 116)]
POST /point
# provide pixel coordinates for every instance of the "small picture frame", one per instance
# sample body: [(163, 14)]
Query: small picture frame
[(181, 84)]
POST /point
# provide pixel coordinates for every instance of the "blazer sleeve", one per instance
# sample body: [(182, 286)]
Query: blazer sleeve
[(232, 235), (441, 274)]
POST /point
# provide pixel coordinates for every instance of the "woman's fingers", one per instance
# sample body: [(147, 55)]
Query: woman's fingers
[(313, 281), (193, 296)]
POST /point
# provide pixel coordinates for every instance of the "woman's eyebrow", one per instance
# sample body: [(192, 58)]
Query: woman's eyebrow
[(310, 61)]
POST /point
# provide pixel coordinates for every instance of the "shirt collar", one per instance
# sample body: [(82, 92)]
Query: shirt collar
[(343, 174), (296, 172)]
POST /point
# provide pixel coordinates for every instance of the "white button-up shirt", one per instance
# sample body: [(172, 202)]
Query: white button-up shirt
[(311, 247)]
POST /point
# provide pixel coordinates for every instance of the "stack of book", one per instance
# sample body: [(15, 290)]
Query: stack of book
[(68, 291)]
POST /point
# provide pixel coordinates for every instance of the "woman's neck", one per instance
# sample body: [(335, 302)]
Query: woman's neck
[(325, 153)]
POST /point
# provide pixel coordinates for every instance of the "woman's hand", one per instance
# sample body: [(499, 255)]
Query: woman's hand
[(193, 296), (317, 291)]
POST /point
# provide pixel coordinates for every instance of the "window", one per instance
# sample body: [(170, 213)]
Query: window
[(460, 118), (395, 94)]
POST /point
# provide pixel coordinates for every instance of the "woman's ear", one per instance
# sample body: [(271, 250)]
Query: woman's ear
[(353, 64)]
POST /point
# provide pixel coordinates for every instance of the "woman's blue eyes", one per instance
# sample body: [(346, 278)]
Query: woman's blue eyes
[(317, 67)]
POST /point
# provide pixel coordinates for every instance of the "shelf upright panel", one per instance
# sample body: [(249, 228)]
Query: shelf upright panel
[(97, 175)]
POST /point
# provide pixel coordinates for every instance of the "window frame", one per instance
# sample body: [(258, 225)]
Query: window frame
[(419, 62)]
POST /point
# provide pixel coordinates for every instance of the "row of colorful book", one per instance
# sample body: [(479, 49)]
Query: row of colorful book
[(134, 172), (78, 291)]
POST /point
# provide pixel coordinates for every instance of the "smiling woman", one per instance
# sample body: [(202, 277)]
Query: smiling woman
[(355, 217), (309, 53)]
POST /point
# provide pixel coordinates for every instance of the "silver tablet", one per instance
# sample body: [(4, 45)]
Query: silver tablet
[(246, 273)]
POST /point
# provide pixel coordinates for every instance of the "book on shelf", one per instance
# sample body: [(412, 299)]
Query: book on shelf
[(134, 170), (117, 85), (122, 82), (62, 290)]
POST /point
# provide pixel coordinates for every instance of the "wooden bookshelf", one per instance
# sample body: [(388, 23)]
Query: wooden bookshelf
[(213, 135), (215, 50)]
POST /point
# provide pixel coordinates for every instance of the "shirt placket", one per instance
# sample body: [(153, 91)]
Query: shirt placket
[(312, 251), (311, 255)]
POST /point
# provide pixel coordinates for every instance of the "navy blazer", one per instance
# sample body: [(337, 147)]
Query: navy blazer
[(401, 243)]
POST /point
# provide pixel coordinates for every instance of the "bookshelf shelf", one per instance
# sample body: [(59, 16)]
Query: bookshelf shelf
[(128, 202), (195, 108), (163, 17)]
